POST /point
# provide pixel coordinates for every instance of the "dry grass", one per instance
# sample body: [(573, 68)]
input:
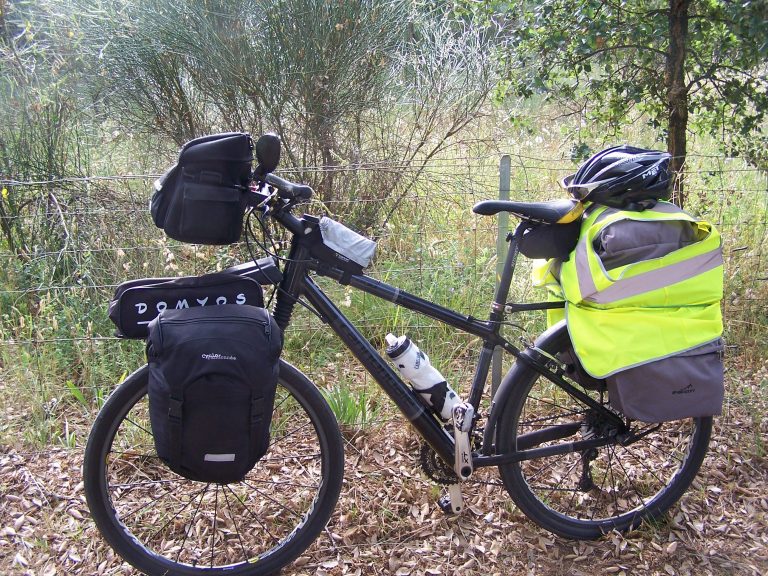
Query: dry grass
[(387, 521)]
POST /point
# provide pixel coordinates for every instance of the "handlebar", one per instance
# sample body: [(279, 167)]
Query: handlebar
[(289, 190), (284, 196)]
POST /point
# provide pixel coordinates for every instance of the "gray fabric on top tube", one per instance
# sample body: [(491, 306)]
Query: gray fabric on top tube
[(347, 242)]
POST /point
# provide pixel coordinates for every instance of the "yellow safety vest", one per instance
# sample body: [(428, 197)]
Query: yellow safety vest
[(546, 274), (644, 311)]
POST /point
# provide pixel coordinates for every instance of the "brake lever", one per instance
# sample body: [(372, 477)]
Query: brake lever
[(261, 199), (277, 202)]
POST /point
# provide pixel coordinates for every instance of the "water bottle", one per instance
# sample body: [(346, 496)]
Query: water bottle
[(415, 367)]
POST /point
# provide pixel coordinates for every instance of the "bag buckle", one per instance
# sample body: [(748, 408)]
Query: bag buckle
[(174, 409)]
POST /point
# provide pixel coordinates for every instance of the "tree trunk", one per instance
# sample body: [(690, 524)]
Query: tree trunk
[(326, 143), (677, 93)]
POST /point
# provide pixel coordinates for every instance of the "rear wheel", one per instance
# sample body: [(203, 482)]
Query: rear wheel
[(583, 495), (162, 523)]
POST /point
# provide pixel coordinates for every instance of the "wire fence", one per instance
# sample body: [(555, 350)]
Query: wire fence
[(67, 243)]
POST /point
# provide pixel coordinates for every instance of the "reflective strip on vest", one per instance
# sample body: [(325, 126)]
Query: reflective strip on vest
[(623, 288)]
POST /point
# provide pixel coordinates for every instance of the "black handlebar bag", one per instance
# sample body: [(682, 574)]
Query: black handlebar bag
[(202, 199), (212, 379)]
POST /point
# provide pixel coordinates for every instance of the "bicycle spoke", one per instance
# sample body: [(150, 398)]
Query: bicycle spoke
[(291, 484), (140, 427), (215, 519), (233, 517), (134, 454), (626, 475), (556, 489), (601, 490), (573, 497), (257, 519), (550, 463), (191, 522), (550, 490), (555, 405), (272, 458), (172, 518), (141, 483), (152, 502), (283, 506), (279, 404), (614, 489), (663, 452), (546, 419), (642, 463), (289, 434)]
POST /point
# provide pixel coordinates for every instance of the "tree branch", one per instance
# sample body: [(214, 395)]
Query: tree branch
[(617, 48)]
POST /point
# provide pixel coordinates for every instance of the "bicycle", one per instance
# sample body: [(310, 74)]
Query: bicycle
[(568, 460)]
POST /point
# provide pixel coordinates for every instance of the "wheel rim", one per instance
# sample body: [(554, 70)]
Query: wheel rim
[(190, 525), (615, 485)]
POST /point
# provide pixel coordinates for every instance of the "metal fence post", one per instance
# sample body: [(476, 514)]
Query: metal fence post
[(505, 174)]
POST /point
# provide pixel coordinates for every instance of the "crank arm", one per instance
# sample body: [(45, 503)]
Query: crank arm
[(463, 415)]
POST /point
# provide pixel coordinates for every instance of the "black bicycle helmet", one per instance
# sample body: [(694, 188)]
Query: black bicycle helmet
[(622, 177)]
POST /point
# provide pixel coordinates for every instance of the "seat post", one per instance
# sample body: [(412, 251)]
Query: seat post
[(508, 271)]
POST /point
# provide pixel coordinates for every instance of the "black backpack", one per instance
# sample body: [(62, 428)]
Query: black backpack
[(212, 378), (202, 199)]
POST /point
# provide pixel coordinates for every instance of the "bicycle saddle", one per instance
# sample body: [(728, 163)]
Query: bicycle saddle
[(552, 212)]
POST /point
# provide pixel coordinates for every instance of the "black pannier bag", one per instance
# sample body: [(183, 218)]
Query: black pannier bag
[(137, 302), (202, 199), (212, 379)]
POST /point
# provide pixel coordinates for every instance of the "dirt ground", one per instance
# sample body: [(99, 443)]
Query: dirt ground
[(387, 521)]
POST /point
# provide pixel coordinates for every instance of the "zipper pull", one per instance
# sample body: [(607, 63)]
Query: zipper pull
[(268, 324)]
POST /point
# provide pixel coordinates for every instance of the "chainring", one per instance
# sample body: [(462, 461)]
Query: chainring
[(434, 467)]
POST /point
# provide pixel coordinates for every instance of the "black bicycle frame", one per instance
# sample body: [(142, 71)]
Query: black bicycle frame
[(296, 283)]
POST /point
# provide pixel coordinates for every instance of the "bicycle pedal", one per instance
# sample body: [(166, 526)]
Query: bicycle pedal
[(452, 502), (463, 414)]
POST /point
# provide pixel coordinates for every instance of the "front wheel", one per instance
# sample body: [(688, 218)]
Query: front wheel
[(583, 495), (162, 523)]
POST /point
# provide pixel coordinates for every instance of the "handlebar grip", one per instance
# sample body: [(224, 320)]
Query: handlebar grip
[(288, 189)]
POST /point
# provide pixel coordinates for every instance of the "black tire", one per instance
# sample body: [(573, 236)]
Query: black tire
[(629, 484), (164, 524)]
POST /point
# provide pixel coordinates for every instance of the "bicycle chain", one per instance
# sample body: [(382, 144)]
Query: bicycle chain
[(434, 467)]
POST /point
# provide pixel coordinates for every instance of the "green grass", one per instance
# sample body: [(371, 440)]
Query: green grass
[(356, 411)]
